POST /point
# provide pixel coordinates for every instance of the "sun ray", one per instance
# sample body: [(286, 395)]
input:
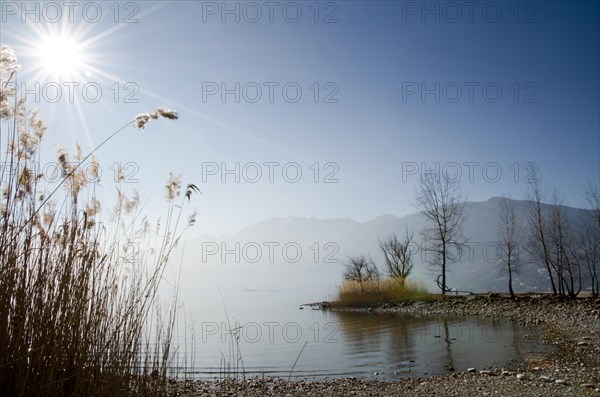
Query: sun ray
[(109, 32), (227, 126), (63, 52)]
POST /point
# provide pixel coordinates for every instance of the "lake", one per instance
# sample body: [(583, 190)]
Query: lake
[(271, 332)]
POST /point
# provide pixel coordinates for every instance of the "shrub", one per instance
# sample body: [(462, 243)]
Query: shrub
[(377, 292)]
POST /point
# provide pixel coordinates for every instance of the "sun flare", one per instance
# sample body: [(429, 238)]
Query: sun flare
[(60, 56)]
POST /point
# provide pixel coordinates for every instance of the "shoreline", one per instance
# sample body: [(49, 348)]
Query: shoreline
[(573, 325)]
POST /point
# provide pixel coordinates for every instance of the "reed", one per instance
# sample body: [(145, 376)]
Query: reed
[(79, 310)]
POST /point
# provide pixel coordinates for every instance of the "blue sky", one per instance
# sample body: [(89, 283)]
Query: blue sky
[(542, 56)]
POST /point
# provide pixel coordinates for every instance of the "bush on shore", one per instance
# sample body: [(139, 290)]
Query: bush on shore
[(376, 292)]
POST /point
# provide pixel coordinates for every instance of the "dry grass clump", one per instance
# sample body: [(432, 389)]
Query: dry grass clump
[(79, 313), (376, 292)]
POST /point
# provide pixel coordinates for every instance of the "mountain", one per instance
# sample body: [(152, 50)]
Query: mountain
[(306, 254)]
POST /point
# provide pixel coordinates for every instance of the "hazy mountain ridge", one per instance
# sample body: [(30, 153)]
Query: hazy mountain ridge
[(324, 241)]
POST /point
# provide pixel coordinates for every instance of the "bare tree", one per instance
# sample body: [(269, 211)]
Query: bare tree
[(397, 255), (564, 258), (538, 245), (360, 268), (439, 200), (508, 238)]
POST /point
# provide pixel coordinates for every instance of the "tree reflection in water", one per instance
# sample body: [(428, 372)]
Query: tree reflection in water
[(403, 345)]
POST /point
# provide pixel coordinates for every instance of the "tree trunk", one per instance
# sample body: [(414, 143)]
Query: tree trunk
[(444, 269), (510, 288)]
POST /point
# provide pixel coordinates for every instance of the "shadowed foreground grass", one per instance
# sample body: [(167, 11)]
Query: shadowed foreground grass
[(79, 310), (377, 292)]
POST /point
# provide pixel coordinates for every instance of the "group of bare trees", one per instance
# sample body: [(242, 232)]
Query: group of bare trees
[(397, 260), (567, 248), (590, 237), (440, 201)]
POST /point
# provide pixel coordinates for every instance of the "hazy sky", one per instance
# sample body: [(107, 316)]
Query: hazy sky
[(363, 95)]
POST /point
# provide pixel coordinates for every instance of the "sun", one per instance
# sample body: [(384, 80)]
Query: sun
[(60, 56)]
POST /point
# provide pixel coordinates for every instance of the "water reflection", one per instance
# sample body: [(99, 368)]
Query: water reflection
[(400, 345), (342, 344)]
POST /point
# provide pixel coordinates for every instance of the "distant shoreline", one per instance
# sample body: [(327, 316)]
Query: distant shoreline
[(334, 305)]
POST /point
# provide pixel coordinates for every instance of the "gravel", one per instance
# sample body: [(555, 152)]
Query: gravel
[(572, 324)]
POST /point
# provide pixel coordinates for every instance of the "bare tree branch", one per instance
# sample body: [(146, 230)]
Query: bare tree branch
[(360, 268), (397, 255)]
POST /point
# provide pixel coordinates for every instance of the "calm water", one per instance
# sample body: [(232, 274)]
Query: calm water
[(273, 330)]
